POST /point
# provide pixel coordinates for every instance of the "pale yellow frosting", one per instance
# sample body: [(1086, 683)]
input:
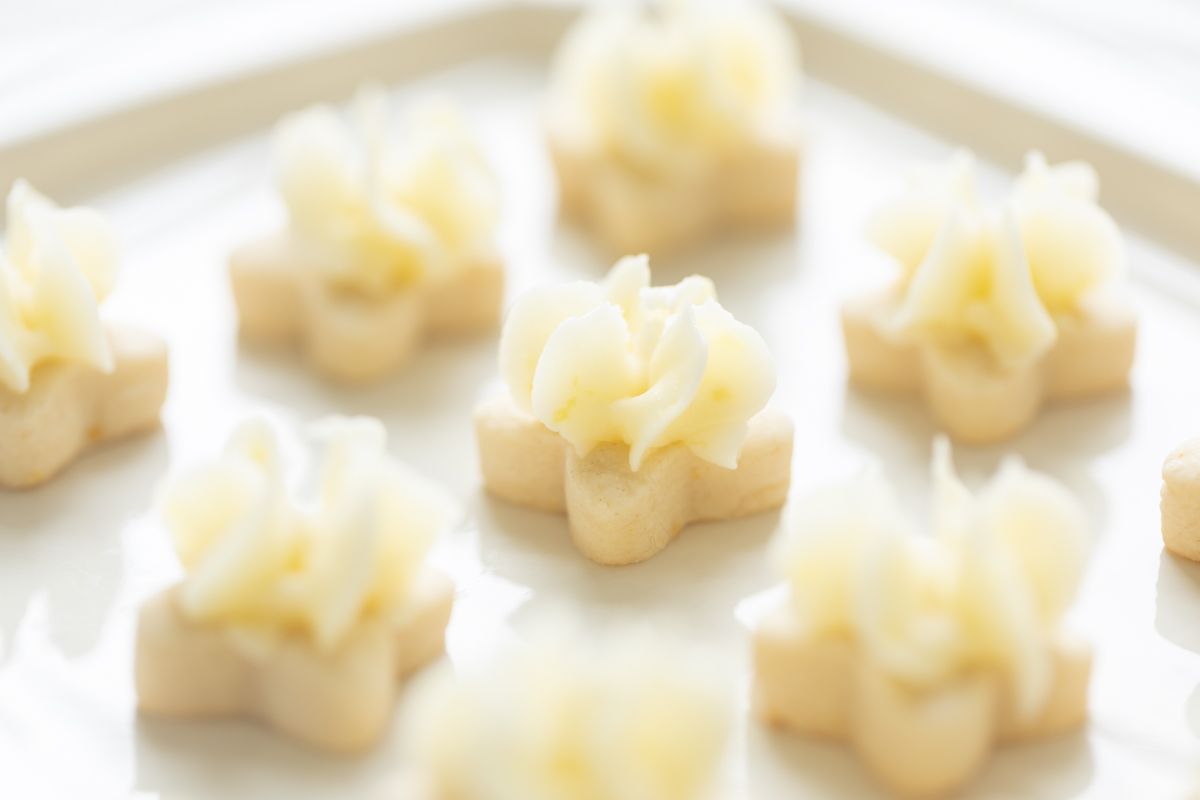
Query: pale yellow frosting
[(989, 588), (260, 560), (567, 720), (388, 212), (674, 89), (907, 226), (621, 361), (997, 275), (1071, 243), (58, 264)]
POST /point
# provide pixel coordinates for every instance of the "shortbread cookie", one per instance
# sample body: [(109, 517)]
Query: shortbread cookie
[(635, 410), (1181, 500), (350, 335), (621, 516), (623, 718), (385, 245), (67, 380), (662, 129), (995, 312), (302, 617), (925, 652), (340, 700)]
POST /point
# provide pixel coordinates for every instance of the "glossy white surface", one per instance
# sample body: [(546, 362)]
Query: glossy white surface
[(77, 556)]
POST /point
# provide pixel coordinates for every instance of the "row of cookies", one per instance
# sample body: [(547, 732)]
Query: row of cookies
[(633, 409), (921, 651), (994, 310)]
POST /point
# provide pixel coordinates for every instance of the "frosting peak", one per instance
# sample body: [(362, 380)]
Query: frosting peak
[(998, 275), (59, 263), (258, 559), (632, 721), (906, 227), (975, 282), (669, 90), (987, 589), (1072, 244), (621, 361), (390, 213)]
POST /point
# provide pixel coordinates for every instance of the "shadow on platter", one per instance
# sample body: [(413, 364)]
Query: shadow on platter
[(807, 766), (1177, 601), (46, 551), (696, 582), (1061, 442), (1056, 767), (446, 371), (240, 758), (1059, 767), (426, 406)]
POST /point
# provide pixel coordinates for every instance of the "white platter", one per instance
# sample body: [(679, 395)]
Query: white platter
[(77, 556)]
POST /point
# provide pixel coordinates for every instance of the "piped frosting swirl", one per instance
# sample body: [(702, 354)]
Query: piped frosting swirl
[(988, 589), (58, 265), (258, 559), (621, 361), (1001, 276), (387, 213), (674, 90)]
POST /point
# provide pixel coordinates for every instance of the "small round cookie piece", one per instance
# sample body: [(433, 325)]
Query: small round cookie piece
[(1180, 502)]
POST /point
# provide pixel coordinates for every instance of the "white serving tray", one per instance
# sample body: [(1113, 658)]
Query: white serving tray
[(77, 556)]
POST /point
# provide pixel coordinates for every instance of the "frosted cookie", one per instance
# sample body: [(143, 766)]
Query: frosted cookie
[(387, 242), (625, 719), (996, 310), (67, 379), (635, 410), (663, 127), (924, 652), (1181, 500), (303, 615)]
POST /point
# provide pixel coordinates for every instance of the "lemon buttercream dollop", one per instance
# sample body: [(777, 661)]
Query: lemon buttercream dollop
[(260, 560), (1000, 275), (989, 589), (621, 361), (58, 265), (675, 88), (388, 213), (635, 720)]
